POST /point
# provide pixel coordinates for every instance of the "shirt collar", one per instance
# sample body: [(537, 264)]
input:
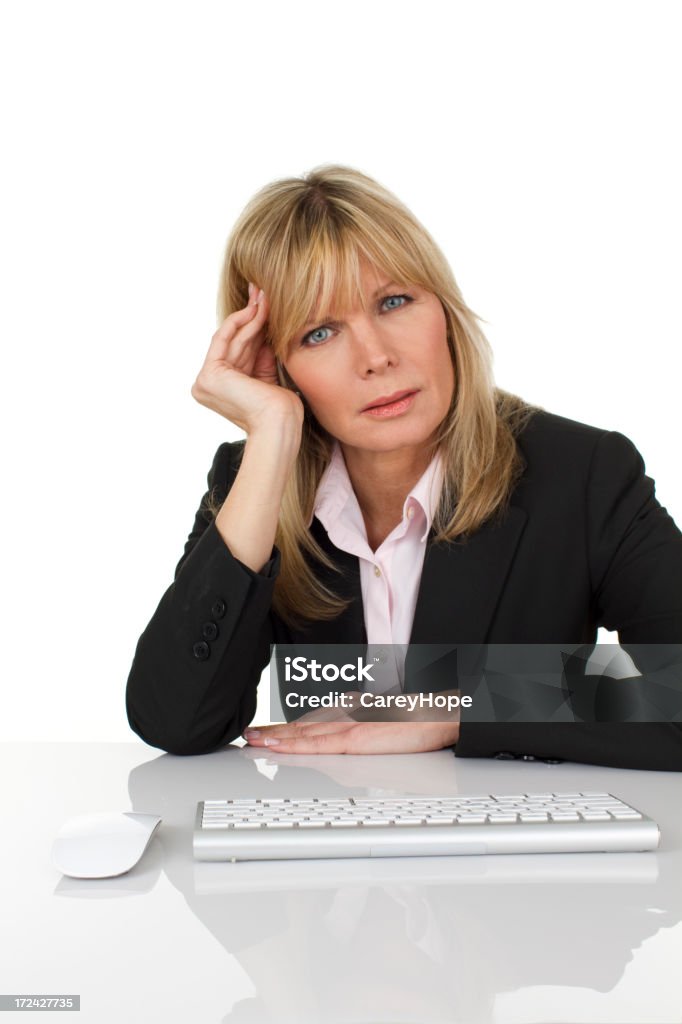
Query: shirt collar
[(335, 490)]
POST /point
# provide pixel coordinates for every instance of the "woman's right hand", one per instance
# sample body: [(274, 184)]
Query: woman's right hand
[(239, 375)]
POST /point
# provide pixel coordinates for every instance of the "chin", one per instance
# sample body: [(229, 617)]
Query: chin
[(389, 437)]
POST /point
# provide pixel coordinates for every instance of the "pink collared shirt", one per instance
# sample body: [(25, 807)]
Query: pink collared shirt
[(389, 576)]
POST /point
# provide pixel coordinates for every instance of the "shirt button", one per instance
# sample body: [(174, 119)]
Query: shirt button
[(377, 570)]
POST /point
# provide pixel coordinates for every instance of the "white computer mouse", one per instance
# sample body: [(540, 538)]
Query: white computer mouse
[(102, 845)]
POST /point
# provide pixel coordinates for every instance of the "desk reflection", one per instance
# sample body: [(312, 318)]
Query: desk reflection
[(409, 940)]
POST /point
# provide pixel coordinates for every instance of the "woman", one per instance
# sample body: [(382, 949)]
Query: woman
[(387, 492)]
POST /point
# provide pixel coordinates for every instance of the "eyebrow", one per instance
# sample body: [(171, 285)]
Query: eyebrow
[(325, 319)]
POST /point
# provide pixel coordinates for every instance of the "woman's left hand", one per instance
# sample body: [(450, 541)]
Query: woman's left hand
[(351, 737)]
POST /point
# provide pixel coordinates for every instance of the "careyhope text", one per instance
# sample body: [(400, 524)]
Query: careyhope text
[(408, 701)]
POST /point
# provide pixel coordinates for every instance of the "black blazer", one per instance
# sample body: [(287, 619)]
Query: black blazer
[(584, 543)]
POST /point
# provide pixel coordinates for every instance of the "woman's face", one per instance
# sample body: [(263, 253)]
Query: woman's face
[(398, 345)]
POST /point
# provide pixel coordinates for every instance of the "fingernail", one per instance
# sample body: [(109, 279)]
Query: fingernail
[(250, 288), (251, 732), (260, 297), (270, 741)]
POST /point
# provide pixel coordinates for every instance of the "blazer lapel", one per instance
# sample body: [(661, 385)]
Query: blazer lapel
[(461, 583), (459, 589)]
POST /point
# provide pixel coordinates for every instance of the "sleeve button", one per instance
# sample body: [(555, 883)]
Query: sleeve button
[(201, 650), (505, 755), (209, 631), (218, 609)]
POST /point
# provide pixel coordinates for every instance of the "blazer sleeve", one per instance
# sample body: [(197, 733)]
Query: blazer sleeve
[(192, 685), (635, 558)]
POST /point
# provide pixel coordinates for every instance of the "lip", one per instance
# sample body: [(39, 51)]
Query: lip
[(389, 399), (399, 407)]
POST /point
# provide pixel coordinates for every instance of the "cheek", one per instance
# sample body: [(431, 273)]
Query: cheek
[(321, 384), (439, 350), (444, 373), (324, 395), (327, 396)]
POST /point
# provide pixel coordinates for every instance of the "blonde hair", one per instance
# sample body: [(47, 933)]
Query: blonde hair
[(302, 240)]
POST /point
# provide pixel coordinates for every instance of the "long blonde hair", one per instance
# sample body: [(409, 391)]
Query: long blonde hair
[(302, 240)]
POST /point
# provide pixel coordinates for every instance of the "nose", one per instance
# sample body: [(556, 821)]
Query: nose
[(373, 349)]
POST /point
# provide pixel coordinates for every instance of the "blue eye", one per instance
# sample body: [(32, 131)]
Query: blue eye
[(315, 335), (393, 298)]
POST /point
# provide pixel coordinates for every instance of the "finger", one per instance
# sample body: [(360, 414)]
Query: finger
[(221, 342), (243, 347), (243, 324), (265, 365), (246, 343), (263, 734), (318, 743)]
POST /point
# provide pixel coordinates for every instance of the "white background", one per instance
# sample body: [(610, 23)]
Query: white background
[(538, 142)]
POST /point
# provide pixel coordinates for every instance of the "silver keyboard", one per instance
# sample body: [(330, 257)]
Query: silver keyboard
[(291, 829)]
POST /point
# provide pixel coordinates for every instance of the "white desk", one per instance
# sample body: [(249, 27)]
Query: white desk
[(580, 938)]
